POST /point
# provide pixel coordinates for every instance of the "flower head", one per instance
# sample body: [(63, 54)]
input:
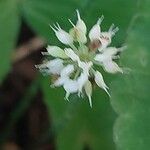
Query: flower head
[(75, 66)]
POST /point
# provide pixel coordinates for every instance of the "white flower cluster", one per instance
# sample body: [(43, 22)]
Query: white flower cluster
[(74, 65)]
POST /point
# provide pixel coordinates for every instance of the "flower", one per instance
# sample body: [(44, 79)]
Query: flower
[(75, 65)]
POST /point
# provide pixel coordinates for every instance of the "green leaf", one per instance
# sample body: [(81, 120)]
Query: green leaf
[(8, 29), (40, 14), (76, 124), (130, 93)]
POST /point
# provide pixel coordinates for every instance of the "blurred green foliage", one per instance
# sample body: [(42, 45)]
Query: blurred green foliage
[(9, 27), (75, 123), (130, 93)]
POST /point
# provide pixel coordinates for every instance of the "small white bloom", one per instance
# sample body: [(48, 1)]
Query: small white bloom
[(83, 78), (100, 81), (76, 70), (79, 30), (106, 59), (52, 67), (70, 53), (88, 91), (111, 67), (102, 58), (85, 66), (95, 32), (70, 86), (55, 66), (66, 71), (60, 81), (55, 51), (105, 37), (80, 24), (62, 35), (64, 75)]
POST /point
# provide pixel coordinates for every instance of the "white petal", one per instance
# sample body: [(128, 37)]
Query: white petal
[(62, 35), (112, 30), (66, 71), (79, 30), (102, 58), (81, 37), (112, 51), (71, 54), (55, 66), (100, 81), (83, 78), (71, 86), (60, 81), (80, 24), (105, 39), (96, 30), (85, 66), (111, 67), (55, 51), (88, 91)]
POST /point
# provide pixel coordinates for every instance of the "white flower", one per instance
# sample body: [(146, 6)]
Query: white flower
[(95, 32), (106, 59), (105, 37), (54, 66), (74, 66), (85, 66), (79, 30), (62, 35), (83, 78), (70, 53), (70, 86), (100, 81), (88, 91), (55, 51), (80, 23)]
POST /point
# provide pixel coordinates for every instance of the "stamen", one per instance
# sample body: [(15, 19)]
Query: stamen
[(115, 30), (100, 20), (111, 28), (71, 23), (53, 28), (78, 14), (57, 27)]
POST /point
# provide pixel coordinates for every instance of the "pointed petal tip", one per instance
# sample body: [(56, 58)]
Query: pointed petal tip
[(71, 22), (107, 92), (56, 26), (36, 66), (78, 14), (53, 28), (124, 47), (67, 97), (44, 53), (90, 101), (100, 20)]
